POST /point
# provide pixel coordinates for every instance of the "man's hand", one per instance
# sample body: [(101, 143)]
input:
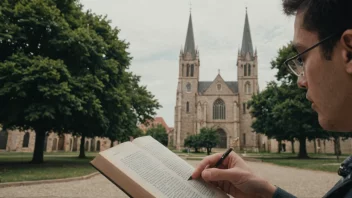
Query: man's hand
[(234, 177)]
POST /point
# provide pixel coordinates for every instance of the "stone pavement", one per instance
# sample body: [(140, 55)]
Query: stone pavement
[(302, 183)]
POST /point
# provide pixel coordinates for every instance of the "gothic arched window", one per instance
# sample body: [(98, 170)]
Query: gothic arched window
[(192, 70), (245, 69), (188, 87), (187, 107), (188, 70), (247, 88), (219, 110), (183, 70), (25, 140), (249, 69)]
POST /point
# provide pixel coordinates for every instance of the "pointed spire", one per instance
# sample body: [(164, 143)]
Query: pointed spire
[(247, 45), (190, 44)]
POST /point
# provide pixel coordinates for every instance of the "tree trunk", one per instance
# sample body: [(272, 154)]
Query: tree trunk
[(302, 148), (279, 146), (315, 146), (38, 154), (208, 151), (293, 146), (81, 148), (324, 142), (337, 147)]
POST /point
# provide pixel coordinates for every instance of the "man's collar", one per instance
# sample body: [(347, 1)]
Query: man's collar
[(345, 169)]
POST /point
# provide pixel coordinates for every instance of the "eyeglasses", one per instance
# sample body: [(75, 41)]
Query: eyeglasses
[(296, 65)]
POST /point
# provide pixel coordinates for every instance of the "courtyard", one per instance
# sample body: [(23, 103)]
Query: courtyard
[(300, 182)]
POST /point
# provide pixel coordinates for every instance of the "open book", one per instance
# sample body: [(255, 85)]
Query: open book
[(146, 168)]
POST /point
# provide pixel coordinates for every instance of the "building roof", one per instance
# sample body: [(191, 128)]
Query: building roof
[(204, 85), (190, 43), (156, 121), (247, 45), (160, 120)]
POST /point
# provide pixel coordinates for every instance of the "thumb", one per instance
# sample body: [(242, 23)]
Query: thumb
[(233, 175)]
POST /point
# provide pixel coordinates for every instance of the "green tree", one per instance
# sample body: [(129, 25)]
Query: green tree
[(301, 122), (103, 64), (209, 138), (193, 141), (283, 112), (158, 132), (64, 70), (299, 106), (36, 86)]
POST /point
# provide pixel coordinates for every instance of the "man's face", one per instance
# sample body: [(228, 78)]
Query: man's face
[(328, 83)]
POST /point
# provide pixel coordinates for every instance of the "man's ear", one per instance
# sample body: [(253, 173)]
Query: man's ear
[(346, 42)]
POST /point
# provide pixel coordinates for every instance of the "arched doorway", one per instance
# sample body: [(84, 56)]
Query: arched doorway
[(54, 146), (98, 145), (3, 139), (92, 145), (25, 142), (223, 139), (86, 146), (61, 146), (45, 143), (75, 144)]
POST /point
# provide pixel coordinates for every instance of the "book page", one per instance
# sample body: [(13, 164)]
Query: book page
[(151, 174), (177, 165)]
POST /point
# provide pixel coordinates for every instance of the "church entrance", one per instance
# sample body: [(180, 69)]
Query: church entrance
[(3, 139), (222, 140)]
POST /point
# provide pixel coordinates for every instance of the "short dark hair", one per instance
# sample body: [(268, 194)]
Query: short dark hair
[(324, 17)]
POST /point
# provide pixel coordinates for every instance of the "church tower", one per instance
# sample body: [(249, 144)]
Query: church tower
[(187, 89), (247, 75)]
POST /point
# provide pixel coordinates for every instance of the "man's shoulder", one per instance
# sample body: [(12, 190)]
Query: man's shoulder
[(343, 188)]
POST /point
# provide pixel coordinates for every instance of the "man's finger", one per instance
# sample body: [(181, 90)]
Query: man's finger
[(207, 161), (233, 175)]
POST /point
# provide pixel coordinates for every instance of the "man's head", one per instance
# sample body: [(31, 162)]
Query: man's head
[(327, 67)]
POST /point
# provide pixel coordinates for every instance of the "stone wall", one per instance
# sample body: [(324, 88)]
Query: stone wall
[(23, 141), (322, 146)]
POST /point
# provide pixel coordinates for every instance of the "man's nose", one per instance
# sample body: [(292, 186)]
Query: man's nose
[(302, 82)]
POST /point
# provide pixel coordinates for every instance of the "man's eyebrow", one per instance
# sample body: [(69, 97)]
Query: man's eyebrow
[(299, 47)]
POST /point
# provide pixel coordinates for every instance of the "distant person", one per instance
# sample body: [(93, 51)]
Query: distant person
[(323, 40)]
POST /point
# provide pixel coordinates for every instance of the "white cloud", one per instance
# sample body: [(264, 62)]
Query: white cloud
[(156, 30)]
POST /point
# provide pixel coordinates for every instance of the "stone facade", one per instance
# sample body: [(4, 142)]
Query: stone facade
[(320, 146), (217, 103), (23, 141)]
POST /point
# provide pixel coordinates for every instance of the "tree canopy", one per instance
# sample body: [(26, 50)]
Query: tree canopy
[(282, 111), (66, 71), (158, 132)]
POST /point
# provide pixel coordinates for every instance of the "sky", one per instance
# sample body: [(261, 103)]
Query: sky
[(156, 31)]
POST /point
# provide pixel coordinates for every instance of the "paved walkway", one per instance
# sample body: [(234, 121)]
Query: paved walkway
[(302, 183)]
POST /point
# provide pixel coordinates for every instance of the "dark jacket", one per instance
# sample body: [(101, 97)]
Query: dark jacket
[(342, 189)]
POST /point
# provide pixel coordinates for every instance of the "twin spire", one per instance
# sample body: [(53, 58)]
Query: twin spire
[(247, 45), (190, 46)]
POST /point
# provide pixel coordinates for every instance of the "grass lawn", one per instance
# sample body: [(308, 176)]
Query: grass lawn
[(289, 154), (321, 162), (14, 167), (329, 165), (191, 153)]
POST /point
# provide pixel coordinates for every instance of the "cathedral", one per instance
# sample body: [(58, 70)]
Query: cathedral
[(217, 103)]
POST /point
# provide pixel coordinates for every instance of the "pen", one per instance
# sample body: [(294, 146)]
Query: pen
[(223, 157)]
